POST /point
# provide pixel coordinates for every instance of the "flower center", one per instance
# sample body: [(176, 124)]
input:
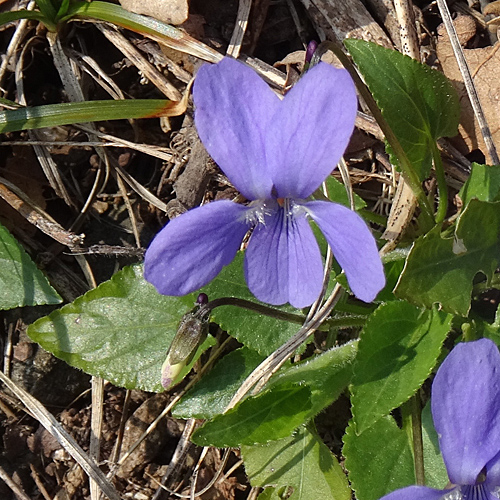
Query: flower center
[(259, 210)]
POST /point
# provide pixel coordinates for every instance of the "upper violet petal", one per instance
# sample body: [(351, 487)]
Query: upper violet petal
[(416, 493), (233, 109), (194, 247), (283, 262), (466, 409), (310, 130), (353, 246)]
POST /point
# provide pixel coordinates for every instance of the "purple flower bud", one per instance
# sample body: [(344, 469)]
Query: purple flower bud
[(311, 49), (202, 299)]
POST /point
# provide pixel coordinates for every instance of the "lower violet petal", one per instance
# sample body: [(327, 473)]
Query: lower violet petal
[(353, 246), (493, 473), (417, 493), (466, 409), (193, 248), (283, 262)]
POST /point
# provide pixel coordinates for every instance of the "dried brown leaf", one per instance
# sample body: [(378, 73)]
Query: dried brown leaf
[(484, 65)]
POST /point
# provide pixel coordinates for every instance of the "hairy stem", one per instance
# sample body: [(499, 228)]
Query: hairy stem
[(276, 313), (441, 183)]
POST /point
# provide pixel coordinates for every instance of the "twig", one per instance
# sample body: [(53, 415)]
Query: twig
[(39, 483)]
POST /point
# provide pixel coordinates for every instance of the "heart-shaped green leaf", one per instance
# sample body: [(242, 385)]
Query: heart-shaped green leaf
[(120, 331), (21, 282), (419, 103)]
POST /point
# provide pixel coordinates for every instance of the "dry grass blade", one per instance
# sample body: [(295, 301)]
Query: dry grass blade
[(64, 438), (34, 214), (144, 66), (48, 165), (14, 43), (239, 28), (179, 455), (469, 84), (156, 151), (141, 190), (273, 362), (96, 429)]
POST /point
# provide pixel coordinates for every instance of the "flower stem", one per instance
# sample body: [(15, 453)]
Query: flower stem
[(441, 184), (341, 322), (412, 422)]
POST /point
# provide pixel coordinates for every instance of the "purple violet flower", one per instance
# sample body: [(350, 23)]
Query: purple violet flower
[(276, 153), (465, 408)]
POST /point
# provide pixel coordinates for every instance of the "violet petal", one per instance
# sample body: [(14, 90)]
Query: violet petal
[(466, 409), (493, 471), (416, 493), (233, 109), (353, 246), (193, 248), (310, 130), (283, 262)]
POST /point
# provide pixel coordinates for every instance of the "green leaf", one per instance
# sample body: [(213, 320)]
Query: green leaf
[(379, 460), (302, 462), (326, 375), (268, 494), (337, 194), (441, 270), (419, 103), (258, 332), (212, 394), (489, 330), (21, 282), (436, 475), (66, 113), (265, 417), (120, 331), (398, 349), (483, 183)]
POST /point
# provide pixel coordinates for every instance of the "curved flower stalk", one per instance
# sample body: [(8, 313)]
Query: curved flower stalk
[(465, 407), (276, 153)]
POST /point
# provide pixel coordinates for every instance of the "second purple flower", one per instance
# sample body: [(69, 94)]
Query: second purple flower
[(276, 153)]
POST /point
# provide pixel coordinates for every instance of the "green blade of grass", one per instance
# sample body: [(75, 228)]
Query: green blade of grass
[(162, 32), (47, 9), (52, 115), (15, 15)]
